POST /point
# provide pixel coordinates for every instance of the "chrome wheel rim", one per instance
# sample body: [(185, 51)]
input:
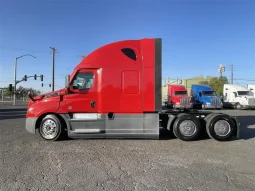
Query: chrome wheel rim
[(187, 128), (222, 128), (49, 129)]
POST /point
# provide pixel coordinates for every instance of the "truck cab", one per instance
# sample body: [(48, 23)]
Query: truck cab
[(238, 97), (203, 96), (177, 97)]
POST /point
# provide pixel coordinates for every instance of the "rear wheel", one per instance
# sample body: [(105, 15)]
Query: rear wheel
[(220, 127), (51, 128), (186, 127)]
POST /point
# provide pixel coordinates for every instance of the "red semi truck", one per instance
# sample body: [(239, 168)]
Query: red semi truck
[(177, 97), (115, 92)]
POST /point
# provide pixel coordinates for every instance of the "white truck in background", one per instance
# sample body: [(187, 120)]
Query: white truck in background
[(238, 97), (251, 87)]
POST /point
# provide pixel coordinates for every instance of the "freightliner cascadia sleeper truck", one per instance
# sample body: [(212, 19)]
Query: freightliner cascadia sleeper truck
[(115, 92)]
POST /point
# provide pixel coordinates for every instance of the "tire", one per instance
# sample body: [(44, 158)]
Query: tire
[(189, 133), (238, 106), (51, 121), (210, 116), (217, 133)]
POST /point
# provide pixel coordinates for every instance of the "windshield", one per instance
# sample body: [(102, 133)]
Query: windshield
[(208, 93), (242, 93), (180, 93)]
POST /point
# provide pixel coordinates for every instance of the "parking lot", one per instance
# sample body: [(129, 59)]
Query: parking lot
[(29, 163)]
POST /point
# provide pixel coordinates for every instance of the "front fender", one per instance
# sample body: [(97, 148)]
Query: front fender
[(40, 107)]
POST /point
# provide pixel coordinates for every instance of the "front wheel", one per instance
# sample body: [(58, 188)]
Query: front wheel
[(238, 106), (51, 128)]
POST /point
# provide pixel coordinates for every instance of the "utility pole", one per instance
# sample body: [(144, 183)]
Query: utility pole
[(53, 66), (221, 69), (82, 57), (232, 73)]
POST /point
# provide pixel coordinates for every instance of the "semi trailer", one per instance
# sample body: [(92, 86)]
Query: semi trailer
[(115, 92)]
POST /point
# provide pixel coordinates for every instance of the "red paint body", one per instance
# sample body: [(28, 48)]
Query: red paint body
[(176, 93), (120, 84)]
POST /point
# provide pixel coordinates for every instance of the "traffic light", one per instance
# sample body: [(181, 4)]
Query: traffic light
[(10, 88), (41, 76), (42, 84), (49, 85), (25, 77), (35, 77)]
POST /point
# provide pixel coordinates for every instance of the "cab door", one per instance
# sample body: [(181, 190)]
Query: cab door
[(82, 104), (83, 95)]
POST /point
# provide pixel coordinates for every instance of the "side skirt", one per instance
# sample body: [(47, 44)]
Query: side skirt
[(142, 126)]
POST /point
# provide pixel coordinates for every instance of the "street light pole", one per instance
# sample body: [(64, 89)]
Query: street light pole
[(15, 75), (15, 79)]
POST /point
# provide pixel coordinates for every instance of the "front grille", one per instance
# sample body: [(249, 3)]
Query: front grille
[(251, 101), (185, 101), (216, 102)]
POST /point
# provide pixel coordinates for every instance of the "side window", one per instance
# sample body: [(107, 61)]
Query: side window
[(129, 53), (83, 80)]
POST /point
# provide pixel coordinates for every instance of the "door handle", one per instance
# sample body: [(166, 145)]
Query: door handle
[(92, 104)]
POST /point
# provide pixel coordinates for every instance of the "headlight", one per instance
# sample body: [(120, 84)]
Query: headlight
[(30, 110)]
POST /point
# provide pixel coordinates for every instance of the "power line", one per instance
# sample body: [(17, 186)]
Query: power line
[(24, 49)]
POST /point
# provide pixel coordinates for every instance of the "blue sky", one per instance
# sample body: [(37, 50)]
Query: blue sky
[(197, 35)]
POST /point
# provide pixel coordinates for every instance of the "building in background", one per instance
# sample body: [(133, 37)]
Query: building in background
[(186, 82)]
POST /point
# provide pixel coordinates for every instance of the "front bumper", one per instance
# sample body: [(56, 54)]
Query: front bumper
[(30, 124), (210, 106), (182, 106)]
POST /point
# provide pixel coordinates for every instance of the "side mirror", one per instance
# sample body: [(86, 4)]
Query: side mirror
[(67, 81)]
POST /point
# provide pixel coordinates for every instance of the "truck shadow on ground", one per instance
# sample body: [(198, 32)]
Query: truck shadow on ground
[(246, 132)]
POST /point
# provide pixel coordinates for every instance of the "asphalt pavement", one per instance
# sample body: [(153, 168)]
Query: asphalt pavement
[(27, 162)]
